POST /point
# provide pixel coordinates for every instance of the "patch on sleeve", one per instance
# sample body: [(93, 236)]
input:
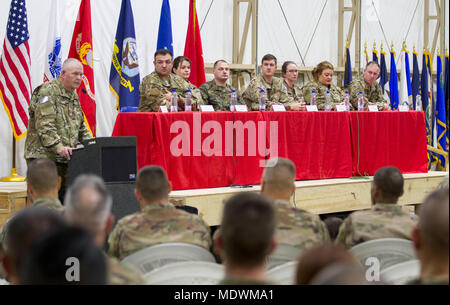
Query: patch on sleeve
[(43, 100)]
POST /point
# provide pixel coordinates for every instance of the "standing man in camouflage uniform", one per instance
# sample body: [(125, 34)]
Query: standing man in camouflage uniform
[(276, 92), (386, 218), (158, 221), (372, 93), (56, 122), (295, 227), (156, 88), (88, 206), (323, 77), (217, 92)]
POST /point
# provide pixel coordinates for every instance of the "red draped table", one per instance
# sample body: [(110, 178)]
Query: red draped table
[(203, 150)]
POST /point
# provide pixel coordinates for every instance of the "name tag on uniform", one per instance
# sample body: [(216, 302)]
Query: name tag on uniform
[(341, 108), (311, 108), (163, 109), (278, 108), (206, 108), (240, 108), (373, 108), (403, 108)]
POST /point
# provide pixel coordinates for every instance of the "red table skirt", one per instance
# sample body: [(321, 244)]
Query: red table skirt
[(203, 150)]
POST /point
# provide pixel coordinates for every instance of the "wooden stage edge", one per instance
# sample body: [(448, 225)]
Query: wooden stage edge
[(317, 196)]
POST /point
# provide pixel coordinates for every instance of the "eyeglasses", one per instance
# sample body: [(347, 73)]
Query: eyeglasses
[(292, 71)]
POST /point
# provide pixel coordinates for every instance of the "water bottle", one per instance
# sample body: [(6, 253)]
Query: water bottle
[(327, 101), (262, 100), (174, 101), (313, 99), (233, 100), (347, 101), (188, 101), (360, 102), (418, 103)]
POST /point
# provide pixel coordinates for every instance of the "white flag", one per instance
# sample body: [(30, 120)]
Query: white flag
[(405, 93), (53, 62)]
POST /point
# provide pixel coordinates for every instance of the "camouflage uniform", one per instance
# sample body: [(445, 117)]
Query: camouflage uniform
[(276, 93), (382, 221), (231, 280), (155, 224), (56, 120), (372, 92), (152, 90), (50, 203), (196, 94), (336, 94), (295, 92), (122, 274), (299, 228), (218, 96)]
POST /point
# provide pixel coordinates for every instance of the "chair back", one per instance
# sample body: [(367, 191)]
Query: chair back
[(283, 274), (283, 254), (402, 273)]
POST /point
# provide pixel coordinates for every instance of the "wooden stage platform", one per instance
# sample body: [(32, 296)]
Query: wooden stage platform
[(318, 196)]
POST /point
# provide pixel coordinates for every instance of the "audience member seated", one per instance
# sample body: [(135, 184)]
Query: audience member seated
[(182, 68), (323, 76), (247, 238), (431, 239), (385, 219), (88, 206), (25, 227), (341, 274), (333, 224), (158, 221), (64, 256), (319, 257)]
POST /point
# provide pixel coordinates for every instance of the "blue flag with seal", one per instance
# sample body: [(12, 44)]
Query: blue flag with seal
[(348, 67), (415, 84), (165, 28), (441, 120), (124, 76), (383, 72), (393, 83)]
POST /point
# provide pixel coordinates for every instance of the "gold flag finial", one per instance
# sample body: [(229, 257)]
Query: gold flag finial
[(346, 42), (446, 52), (404, 45), (414, 48), (374, 45), (392, 46), (381, 46)]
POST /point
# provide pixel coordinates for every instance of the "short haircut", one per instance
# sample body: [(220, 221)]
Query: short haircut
[(279, 174), (373, 63), (53, 254), (42, 175), (69, 62), (218, 62), (247, 229), (434, 222), (320, 68), (333, 224), (318, 257), (163, 52), (389, 180), (88, 203), (152, 183), (178, 61), (269, 57), (24, 227), (285, 65)]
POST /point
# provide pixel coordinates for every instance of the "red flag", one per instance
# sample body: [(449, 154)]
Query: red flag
[(193, 47), (15, 81), (81, 49)]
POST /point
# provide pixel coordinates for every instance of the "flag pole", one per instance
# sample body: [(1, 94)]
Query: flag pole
[(14, 177)]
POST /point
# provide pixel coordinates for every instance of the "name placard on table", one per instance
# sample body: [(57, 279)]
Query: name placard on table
[(311, 108), (206, 108), (373, 108), (341, 108), (240, 108), (278, 108)]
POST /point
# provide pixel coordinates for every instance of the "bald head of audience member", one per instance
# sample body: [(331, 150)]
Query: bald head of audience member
[(42, 179), (318, 257), (431, 238), (387, 185), (23, 229), (88, 206), (278, 180), (152, 186), (247, 235)]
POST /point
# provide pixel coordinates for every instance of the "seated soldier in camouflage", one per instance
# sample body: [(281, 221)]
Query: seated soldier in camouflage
[(158, 221), (156, 88), (289, 71), (370, 89), (217, 92), (247, 238), (385, 219), (88, 206), (182, 68), (431, 239), (323, 76), (295, 227), (276, 92)]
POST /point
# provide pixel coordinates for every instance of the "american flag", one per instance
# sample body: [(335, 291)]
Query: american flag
[(15, 81)]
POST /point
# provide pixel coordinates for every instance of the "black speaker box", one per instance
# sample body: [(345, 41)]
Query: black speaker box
[(124, 201), (112, 158)]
